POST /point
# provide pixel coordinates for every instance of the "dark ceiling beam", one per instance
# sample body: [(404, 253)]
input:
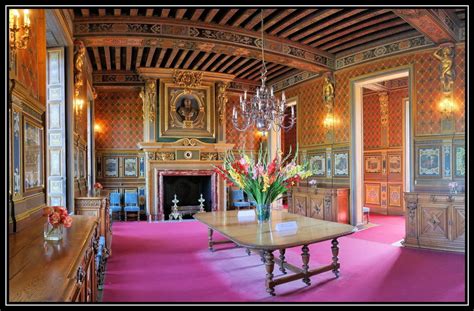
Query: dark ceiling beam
[(232, 61), (247, 13), (309, 20), (371, 38), (245, 68), (171, 58), (278, 17), (292, 20), (108, 63), (213, 68), (85, 12), (160, 57), (228, 16), (436, 24), (165, 12), (345, 29), (197, 14), (133, 12), (117, 12), (117, 58), (181, 58), (97, 58), (139, 57), (149, 12), (191, 58), (209, 62), (180, 13), (366, 31), (200, 61), (128, 64), (317, 27), (149, 58), (211, 15), (258, 18), (102, 12)]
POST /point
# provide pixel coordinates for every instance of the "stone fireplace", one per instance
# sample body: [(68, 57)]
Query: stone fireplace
[(186, 158), (188, 186)]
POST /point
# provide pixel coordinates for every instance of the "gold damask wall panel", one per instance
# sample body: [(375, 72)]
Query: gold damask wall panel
[(248, 140), (118, 113), (426, 96), (31, 62)]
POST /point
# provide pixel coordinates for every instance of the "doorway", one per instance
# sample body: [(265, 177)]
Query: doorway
[(381, 165)]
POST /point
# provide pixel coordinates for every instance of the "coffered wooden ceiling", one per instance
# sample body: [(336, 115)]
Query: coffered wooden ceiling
[(227, 40)]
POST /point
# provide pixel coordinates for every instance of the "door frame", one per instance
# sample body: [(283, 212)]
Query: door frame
[(357, 135)]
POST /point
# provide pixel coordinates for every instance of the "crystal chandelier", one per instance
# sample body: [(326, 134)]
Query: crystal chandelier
[(263, 110)]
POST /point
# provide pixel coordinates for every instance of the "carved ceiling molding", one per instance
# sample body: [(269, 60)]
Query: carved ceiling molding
[(168, 34), (169, 73), (293, 80), (116, 78), (187, 78), (385, 50), (436, 24)]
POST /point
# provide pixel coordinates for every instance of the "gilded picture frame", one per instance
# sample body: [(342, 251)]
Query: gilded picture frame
[(429, 161), (111, 167), (187, 111), (341, 164), (395, 163), (460, 161), (33, 146), (317, 164), (373, 164), (130, 167)]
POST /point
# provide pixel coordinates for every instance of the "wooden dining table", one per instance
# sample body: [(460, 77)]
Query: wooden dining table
[(265, 238)]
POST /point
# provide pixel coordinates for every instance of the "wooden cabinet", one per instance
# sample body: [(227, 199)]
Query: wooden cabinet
[(435, 220), (97, 206), (330, 204), (54, 271)]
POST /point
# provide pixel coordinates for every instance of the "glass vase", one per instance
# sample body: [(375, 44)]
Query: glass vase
[(53, 233), (264, 212)]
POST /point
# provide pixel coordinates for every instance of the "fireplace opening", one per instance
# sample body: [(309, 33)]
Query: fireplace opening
[(188, 190)]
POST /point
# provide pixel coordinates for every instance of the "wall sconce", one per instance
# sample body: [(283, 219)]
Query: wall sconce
[(78, 103), (97, 128), (329, 121), (447, 106), (19, 32)]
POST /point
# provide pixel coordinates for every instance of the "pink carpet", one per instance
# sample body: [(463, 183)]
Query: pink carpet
[(170, 262)]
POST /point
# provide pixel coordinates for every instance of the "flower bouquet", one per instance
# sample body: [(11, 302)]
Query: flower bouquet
[(263, 182), (97, 187), (453, 187), (57, 219)]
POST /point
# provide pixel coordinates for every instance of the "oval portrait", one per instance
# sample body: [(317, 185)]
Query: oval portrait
[(187, 108)]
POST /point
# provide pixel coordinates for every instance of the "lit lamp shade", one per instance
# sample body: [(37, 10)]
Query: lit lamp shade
[(447, 105), (329, 121)]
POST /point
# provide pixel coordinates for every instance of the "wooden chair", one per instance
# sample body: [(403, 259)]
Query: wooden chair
[(115, 205), (131, 204)]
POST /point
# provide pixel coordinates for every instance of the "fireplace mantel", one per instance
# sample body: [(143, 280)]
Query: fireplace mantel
[(186, 156)]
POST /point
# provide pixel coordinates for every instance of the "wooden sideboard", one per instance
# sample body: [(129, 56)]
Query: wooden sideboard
[(435, 221), (97, 206), (54, 271), (331, 204)]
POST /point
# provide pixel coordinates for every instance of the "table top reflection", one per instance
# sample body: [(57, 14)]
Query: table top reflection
[(247, 232)]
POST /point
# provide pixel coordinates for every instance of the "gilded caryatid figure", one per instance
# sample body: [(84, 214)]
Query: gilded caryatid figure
[(78, 63), (445, 55), (328, 92), (221, 100)]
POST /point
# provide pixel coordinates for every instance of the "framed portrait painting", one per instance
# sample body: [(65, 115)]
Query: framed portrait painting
[(33, 155), (111, 167), (373, 164), (429, 161), (130, 167)]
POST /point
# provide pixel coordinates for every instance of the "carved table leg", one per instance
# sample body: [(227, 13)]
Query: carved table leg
[(305, 257), (282, 258), (248, 251), (209, 234), (335, 252), (269, 265)]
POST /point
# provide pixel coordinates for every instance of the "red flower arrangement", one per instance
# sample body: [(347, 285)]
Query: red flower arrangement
[(57, 215), (98, 185)]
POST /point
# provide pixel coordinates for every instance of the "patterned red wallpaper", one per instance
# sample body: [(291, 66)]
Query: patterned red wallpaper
[(311, 111), (426, 96), (395, 121), (372, 124), (289, 138), (118, 112), (249, 140), (31, 70)]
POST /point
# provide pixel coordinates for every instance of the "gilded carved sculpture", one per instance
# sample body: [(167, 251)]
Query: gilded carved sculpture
[(445, 55), (78, 64), (221, 100)]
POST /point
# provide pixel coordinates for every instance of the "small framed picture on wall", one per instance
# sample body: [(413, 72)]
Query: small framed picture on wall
[(130, 167), (111, 167)]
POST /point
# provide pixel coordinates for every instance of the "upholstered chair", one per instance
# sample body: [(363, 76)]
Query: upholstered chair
[(238, 199), (131, 204), (115, 206)]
